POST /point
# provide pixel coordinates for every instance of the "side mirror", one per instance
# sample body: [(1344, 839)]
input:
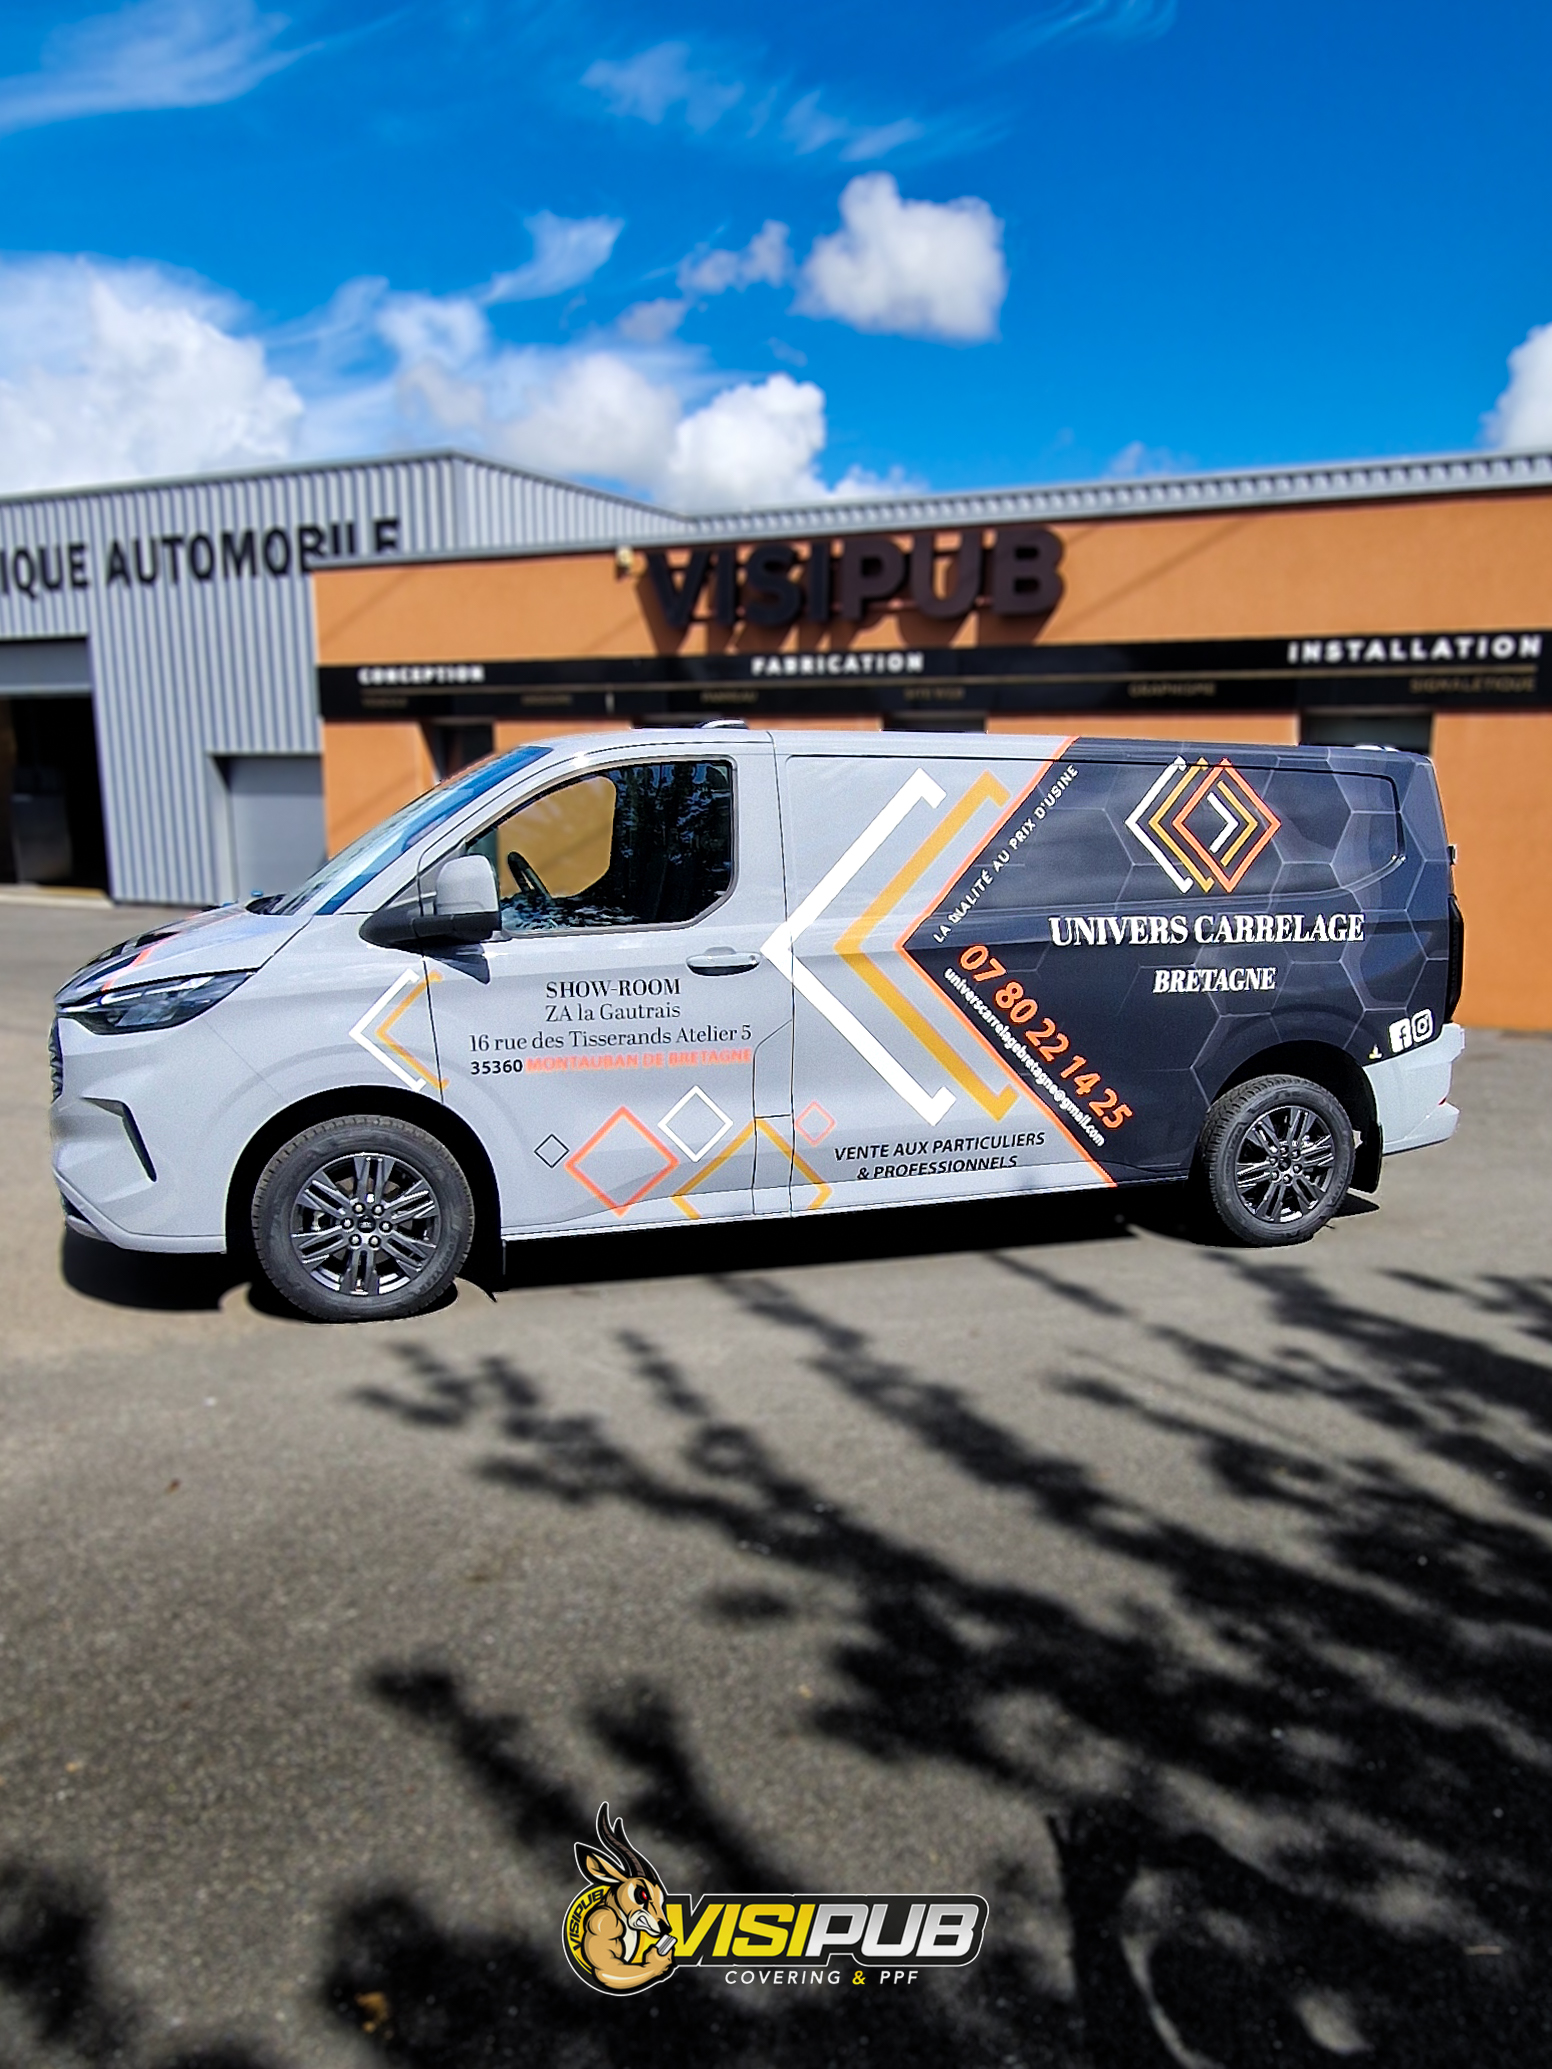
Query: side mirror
[(467, 908)]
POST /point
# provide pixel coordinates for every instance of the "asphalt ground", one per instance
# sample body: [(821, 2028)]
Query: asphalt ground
[(1191, 1605)]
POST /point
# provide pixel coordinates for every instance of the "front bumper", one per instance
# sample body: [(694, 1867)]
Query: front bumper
[(146, 1132)]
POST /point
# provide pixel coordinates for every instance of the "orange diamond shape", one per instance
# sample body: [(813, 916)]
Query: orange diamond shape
[(1241, 813), (622, 1148), (813, 1123)]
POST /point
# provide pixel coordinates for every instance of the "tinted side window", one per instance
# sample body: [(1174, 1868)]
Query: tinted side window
[(646, 844), (1338, 831)]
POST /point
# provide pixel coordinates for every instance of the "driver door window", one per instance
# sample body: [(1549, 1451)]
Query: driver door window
[(647, 844)]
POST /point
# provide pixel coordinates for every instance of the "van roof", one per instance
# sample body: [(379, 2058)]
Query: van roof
[(966, 746)]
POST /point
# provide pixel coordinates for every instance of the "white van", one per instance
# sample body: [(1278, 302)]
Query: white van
[(717, 974)]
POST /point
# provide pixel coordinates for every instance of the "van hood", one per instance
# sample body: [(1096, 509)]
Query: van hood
[(229, 937)]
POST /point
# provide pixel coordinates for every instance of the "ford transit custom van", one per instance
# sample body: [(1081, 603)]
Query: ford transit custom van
[(662, 977)]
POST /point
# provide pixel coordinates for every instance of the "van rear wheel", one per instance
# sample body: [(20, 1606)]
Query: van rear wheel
[(362, 1219), (1277, 1158)]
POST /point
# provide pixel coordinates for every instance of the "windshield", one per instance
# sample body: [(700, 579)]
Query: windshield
[(343, 875)]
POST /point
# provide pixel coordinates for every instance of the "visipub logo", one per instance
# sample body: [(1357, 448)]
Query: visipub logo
[(623, 1933)]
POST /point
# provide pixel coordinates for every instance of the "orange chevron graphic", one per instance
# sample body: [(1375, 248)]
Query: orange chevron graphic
[(369, 1037), (414, 1062), (1235, 804), (788, 1149), (985, 790)]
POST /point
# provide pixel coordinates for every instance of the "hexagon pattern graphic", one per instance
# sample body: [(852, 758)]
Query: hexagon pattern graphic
[(1114, 889)]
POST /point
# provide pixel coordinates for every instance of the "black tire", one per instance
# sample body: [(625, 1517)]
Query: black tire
[(362, 1219), (1277, 1159)]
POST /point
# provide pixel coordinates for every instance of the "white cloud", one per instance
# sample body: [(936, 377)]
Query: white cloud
[(658, 80), (649, 323), (808, 127), (1521, 420), (923, 269), (154, 54), (612, 414), (640, 417), (567, 251), (1137, 458), (1119, 21), (113, 372), (764, 258), (883, 138), (448, 331), (750, 445), (598, 414)]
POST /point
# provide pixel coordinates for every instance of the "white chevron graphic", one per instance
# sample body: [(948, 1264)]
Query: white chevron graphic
[(919, 789), (359, 1032)]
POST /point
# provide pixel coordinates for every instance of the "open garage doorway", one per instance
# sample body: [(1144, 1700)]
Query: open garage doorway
[(51, 829)]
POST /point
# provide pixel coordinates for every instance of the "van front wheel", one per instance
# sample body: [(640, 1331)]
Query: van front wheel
[(362, 1219), (1277, 1157)]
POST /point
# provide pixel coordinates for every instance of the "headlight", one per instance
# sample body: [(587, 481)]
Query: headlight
[(131, 1008)]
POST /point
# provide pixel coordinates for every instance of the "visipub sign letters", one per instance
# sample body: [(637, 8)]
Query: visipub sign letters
[(776, 584)]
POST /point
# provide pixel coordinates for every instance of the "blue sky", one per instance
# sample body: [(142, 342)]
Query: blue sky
[(717, 258)]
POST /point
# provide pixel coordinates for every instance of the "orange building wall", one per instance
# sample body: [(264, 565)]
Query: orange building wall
[(369, 770), (1255, 729), (524, 732), (1458, 563), (1495, 777), (371, 767)]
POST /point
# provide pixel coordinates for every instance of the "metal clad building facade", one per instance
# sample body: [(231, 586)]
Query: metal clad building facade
[(187, 608)]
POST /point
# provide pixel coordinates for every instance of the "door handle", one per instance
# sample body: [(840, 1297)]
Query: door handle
[(722, 962)]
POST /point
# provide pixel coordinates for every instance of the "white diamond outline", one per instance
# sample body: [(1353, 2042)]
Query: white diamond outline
[(666, 1124)]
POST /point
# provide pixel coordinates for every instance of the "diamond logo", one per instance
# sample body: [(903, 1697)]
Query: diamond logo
[(1203, 826), (550, 1151), (622, 1162), (813, 1123), (696, 1124)]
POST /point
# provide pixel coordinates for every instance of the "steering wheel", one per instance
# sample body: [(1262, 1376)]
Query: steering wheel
[(527, 879)]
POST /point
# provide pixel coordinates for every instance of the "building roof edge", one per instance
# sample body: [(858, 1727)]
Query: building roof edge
[(1148, 495), (147, 483), (1241, 488)]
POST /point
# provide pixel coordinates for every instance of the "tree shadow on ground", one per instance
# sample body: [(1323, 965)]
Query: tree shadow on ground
[(1295, 1777), (440, 1997), (1294, 1769), (58, 2002)]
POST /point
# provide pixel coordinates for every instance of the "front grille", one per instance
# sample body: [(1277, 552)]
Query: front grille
[(56, 1061)]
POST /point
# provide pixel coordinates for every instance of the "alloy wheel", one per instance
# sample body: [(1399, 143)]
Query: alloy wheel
[(1284, 1165), (365, 1224)]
